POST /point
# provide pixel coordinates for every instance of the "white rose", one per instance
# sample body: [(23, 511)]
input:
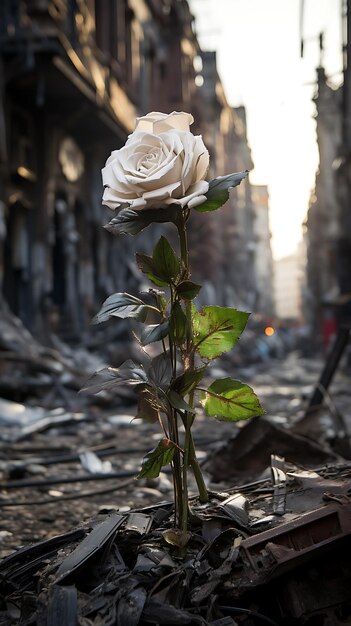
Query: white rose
[(157, 123), (161, 163)]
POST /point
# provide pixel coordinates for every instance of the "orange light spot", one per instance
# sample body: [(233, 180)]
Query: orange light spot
[(269, 331)]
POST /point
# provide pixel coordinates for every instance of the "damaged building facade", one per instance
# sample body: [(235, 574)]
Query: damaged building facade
[(263, 252), (328, 225), (74, 76), (323, 226), (232, 229)]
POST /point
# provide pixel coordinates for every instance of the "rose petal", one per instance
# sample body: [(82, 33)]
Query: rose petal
[(161, 163), (154, 197), (196, 201), (138, 204), (112, 200), (199, 189), (201, 159), (157, 123), (167, 165)]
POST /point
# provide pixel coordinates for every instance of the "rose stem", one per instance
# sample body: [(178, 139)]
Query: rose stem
[(189, 448), (173, 430), (176, 471), (173, 422)]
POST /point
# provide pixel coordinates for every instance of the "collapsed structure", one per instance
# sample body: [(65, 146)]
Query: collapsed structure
[(74, 76)]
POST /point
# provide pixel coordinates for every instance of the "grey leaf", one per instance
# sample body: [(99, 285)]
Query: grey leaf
[(130, 222), (160, 370), (154, 332), (218, 191), (178, 402), (122, 305), (109, 377), (226, 182)]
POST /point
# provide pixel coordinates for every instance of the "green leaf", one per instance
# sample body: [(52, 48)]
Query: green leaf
[(122, 305), (157, 281), (162, 302), (217, 329), (187, 290), (130, 222), (188, 381), (154, 332), (178, 402), (157, 458), (177, 324), (147, 266), (109, 377), (165, 262), (231, 400), (218, 191)]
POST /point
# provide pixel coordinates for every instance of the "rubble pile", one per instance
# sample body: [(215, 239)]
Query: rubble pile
[(50, 374), (276, 552), (271, 547)]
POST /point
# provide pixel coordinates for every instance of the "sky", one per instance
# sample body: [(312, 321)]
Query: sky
[(258, 59)]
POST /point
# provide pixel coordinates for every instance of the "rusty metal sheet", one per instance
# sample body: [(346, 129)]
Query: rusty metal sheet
[(280, 549)]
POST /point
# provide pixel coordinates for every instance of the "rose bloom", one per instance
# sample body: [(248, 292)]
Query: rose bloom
[(161, 163)]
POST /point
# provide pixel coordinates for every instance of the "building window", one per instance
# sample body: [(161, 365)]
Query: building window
[(110, 18)]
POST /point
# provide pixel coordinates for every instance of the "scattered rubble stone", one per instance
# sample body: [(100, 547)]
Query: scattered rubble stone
[(271, 547), (247, 455), (118, 569)]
